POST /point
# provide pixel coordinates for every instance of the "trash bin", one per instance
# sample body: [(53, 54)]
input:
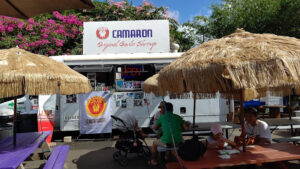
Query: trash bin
[(27, 123)]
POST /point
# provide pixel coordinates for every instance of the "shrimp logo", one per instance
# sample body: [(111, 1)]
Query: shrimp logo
[(102, 33), (96, 106)]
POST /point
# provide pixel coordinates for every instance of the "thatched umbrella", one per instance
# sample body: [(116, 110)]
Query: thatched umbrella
[(31, 8), (22, 72), (151, 86), (242, 65)]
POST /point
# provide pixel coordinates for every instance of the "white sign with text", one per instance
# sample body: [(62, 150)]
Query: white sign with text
[(144, 36)]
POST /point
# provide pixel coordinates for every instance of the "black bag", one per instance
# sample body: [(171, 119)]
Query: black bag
[(192, 149)]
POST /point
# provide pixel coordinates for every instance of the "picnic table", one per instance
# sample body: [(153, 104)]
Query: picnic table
[(12, 156), (283, 124), (275, 110), (258, 155)]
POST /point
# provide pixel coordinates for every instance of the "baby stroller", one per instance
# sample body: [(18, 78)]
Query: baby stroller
[(129, 142)]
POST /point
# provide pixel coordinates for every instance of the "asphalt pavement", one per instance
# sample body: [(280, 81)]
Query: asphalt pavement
[(99, 154)]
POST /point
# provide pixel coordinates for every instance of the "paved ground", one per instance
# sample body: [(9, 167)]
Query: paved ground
[(98, 154)]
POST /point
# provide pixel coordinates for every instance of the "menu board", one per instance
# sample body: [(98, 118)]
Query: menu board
[(129, 99), (128, 85)]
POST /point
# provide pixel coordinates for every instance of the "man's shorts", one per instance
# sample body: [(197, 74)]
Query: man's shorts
[(159, 143)]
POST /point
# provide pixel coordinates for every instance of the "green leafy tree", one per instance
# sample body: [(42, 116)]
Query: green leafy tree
[(197, 30), (281, 17)]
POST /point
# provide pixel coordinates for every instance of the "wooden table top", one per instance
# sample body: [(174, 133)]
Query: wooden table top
[(254, 155)]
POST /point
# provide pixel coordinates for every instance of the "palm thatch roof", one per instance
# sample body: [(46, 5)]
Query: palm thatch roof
[(22, 72), (151, 85), (243, 61)]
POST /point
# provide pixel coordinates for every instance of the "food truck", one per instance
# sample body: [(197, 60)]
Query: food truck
[(118, 57)]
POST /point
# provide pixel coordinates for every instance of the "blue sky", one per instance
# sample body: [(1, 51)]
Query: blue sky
[(183, 10)]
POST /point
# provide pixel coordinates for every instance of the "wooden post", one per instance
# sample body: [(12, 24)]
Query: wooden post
[(194, 113), (242, 111), (15, 121)]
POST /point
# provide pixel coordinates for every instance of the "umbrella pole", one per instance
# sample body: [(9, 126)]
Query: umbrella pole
[(242, 119), (194, 113), (15, 122)]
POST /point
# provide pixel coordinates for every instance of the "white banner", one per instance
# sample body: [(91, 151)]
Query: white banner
[(95, 112), (151, 36)]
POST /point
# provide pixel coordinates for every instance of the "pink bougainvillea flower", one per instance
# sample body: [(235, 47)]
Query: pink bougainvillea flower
[(29, 27), (59, 42), (167, 14), (30, 21), (52, 51), (10, 29), (148, 13), (51, 21), (20, 25), (119, 4), (138, 9), (20, 35), (147, 3), (44, 35)]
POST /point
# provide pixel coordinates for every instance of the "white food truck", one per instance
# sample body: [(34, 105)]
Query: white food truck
[(110, 72)]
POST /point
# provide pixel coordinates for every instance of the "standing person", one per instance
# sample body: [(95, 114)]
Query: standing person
[(257, 131), (168, 122)]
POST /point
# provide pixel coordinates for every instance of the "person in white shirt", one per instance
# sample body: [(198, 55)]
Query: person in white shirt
[(256, 129)]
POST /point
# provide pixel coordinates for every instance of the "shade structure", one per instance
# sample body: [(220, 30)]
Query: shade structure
[(242, 65), (22, 72), (151, 85), (30, 8), (243, 61)]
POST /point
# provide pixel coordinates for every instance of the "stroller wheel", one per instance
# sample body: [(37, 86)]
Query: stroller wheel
[(117, 155), (146, 153), (123, 161)]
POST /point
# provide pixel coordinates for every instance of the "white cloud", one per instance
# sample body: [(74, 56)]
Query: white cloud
[(174, 14), (203, 12)]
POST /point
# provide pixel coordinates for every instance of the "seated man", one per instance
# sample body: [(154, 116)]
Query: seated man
[(169, 122), (257, 131)]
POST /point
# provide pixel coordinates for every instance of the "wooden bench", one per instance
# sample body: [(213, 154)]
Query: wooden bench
[(57, 158), (295, 140)]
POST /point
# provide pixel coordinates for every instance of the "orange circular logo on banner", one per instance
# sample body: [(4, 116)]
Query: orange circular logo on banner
[(96, 106)]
